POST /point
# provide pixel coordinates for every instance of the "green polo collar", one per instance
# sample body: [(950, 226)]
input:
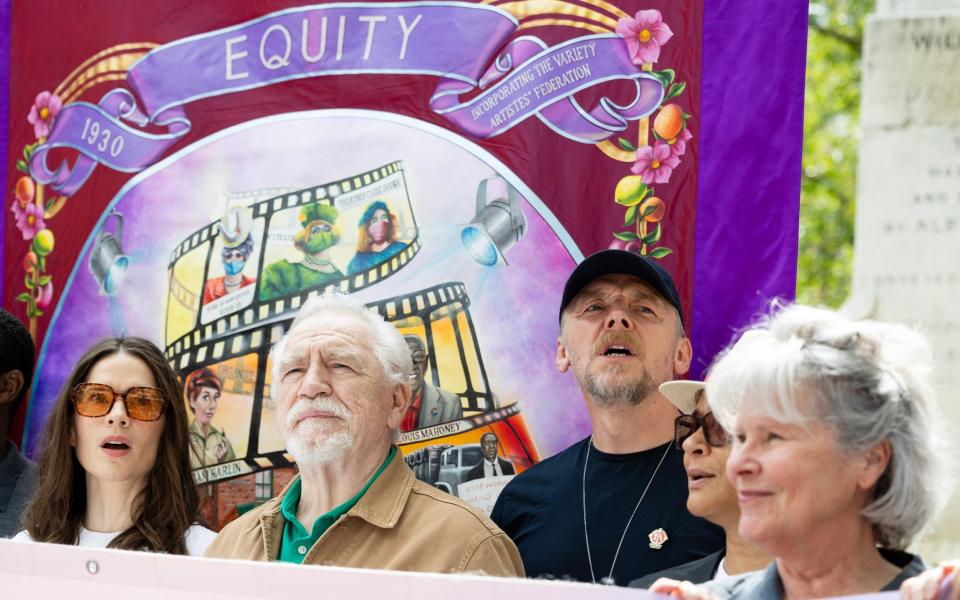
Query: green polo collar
[(297, 541)]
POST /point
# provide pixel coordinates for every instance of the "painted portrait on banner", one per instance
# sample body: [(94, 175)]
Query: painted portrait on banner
[(194, 176)]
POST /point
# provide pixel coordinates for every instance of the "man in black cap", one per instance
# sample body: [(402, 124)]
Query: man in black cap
[(612, 507)]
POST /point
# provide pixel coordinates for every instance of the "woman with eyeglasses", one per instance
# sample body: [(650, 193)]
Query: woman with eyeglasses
[(706, 447), (838, 456), (115, 470)]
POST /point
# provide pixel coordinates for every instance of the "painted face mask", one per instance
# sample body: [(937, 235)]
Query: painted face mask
[(320, 235), (233, 267), (378, 231)]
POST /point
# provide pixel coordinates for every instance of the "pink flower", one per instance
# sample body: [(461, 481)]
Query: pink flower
[(678, 145), (42, 113), (655, 164), (29, 219), (44, 295), (645, 33)]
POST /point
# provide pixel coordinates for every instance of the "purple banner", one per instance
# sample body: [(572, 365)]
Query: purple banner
[(748, 122), (453, 40)]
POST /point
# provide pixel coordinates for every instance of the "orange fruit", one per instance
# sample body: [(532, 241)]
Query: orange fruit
[(656, 212), (669, 122), (30, 262), (25, 190)]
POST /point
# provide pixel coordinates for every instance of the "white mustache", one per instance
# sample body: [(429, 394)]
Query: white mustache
[(324, 404)]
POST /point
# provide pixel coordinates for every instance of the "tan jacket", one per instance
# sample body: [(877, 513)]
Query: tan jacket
[(400, 524)]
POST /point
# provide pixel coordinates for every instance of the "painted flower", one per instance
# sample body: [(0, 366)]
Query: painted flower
[(655, 163), (644, 34), (29, 219), (678, 145), (42, 113), (44, 295)]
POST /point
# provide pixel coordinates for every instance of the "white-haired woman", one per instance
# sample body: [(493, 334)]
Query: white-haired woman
[(837, 457)]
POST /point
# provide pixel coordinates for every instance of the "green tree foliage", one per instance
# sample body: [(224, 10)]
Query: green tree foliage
[(830, 139)]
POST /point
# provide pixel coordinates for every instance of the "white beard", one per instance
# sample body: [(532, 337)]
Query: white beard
[(311, 442)]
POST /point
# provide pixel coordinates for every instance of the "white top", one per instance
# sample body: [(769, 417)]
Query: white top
[(491, 469), (721, 572), (197, 538)]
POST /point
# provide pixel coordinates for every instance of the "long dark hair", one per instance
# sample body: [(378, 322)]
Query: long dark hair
[(165, 508)]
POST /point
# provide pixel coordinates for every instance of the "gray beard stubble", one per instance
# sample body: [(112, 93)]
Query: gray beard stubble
[(611, 389)]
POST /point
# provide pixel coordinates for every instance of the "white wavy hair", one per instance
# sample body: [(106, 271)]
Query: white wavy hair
[(389, 346), (870, 381)]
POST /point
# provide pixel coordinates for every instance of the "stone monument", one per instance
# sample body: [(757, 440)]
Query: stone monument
[(907, 242)]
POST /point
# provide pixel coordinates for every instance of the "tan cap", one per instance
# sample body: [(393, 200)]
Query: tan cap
[(683, 394)]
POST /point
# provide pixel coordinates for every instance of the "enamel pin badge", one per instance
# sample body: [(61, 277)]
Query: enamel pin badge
[(658, 538)]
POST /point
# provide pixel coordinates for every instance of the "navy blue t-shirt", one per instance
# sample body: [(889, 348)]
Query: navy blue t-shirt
[(542, 512)]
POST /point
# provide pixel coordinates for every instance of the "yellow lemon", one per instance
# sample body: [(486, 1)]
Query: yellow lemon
[(629, 190), (43, 242)]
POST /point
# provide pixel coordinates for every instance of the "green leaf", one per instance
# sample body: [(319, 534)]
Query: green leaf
[(631, 216), (44, 280), (675, 90), (22, 166), (28, 282), (24, 297), (42, 263), (660, 252), (626, 236), (653, 237), (626, 145), (649, 210), (37, 313), (665, 76)]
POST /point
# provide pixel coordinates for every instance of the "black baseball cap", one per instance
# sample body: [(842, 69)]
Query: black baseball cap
[(617, 262)]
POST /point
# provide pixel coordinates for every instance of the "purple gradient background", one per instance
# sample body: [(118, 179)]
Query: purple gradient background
[(517, 336)]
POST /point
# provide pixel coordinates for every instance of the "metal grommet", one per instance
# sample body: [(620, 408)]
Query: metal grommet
[(93, 567)]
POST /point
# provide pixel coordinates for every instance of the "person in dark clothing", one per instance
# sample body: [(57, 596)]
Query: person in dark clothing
[(491, 465), (18, 476), (611, 508)]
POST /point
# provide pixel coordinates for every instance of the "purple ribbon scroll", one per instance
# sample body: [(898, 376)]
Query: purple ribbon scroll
[(451, 40), (544, 83)]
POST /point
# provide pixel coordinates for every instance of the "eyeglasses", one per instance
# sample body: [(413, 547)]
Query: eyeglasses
[(96, 400), (686, 425)]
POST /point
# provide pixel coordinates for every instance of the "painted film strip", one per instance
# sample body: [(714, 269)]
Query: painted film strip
[(244, 440), (344, 235)]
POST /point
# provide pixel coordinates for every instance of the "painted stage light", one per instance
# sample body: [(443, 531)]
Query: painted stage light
[(108, 264), (498, 225), (480, 247)]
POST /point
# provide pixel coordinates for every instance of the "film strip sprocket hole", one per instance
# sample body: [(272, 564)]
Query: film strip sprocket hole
[(343, 235), (439, 316)]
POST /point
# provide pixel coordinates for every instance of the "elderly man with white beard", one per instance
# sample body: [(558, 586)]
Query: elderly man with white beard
[(341, 384)]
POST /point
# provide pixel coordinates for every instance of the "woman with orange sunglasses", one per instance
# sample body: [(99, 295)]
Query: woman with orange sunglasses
[(115, 468)]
